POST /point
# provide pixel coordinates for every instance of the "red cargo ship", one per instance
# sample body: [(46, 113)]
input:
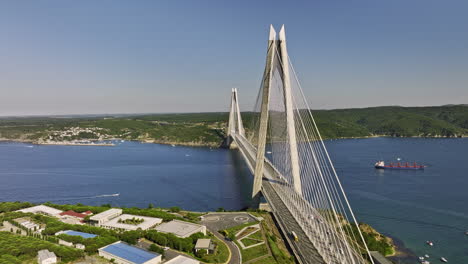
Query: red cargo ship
[(398, 166)]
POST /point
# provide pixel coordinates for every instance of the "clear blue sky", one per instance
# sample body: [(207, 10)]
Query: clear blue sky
[(75, 57)]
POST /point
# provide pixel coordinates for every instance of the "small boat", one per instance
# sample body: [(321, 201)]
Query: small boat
[(466, 233), (426, 256), (421, 258), (398, 166), (268, 152), (173, 145), (425, 262), (443, 259), (430, 243)]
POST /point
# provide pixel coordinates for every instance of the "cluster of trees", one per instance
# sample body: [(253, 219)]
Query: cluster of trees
[(170, 240), (153, 212), (20, 247), (13, 206), (92, 244), (131, 221), (374, 240)]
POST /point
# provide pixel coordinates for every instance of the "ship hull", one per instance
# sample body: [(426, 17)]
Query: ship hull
[(399, 168)]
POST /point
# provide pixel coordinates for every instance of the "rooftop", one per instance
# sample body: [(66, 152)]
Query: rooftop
[(45, 254), (147, 223), (106, 214), (178, 228), (203, 243), (130, 253), (77, 233), (182, 260), (75, 214), (41, 209)]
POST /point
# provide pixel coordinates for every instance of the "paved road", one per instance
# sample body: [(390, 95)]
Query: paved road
[(220, 221), (303, 249), (235, 254)]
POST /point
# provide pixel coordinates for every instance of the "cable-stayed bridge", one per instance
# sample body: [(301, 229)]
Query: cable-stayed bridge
[(292, 170)]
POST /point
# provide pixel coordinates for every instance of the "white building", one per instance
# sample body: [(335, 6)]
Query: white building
[(105, 216), (46, 257), (181, 228), (41, 209), (119, 222), (205, 244), (65, 243), (123, 253), (182, 260), (80, 246)]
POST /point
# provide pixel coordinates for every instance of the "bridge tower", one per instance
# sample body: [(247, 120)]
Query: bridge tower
[(277, 60), (235, 124)]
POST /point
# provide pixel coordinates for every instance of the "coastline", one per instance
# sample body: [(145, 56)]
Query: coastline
[(188, 144)]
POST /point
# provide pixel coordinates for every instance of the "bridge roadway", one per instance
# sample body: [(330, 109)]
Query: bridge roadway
[(303, 249)]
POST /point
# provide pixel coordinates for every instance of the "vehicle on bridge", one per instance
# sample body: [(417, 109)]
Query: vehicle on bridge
[(294, 236)]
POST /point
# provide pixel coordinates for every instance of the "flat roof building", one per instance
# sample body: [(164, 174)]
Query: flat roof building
[(46, 257), (205, 244), (119, 222), (123, 253), (106, 216), (182, 260), (41, 209), (181, 228)]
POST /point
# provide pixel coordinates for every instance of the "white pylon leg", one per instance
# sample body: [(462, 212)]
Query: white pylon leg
[(262, 132), (295, 171)]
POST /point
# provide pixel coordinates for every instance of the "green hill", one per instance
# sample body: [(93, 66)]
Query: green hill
[(208, 129)]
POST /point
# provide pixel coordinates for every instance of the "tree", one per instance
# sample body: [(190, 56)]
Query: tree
[(174, 209), (157, 249), (150, 206)]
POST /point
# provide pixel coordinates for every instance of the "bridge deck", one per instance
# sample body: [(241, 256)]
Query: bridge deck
[(304, 249)]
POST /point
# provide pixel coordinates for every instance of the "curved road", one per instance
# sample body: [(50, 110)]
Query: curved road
[(235, 256)]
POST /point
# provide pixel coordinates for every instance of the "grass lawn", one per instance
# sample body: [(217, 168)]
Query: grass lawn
[(257, 235), (221, 255), (248, 242), (235, 229), (252, 253), (267, 260)]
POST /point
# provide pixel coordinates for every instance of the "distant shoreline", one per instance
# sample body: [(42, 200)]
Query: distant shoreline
[(188, 144)]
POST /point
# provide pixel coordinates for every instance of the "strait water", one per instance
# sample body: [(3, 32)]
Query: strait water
[(412, 206)]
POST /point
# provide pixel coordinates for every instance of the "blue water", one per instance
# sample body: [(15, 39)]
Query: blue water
[(192, 178), (412, 206)]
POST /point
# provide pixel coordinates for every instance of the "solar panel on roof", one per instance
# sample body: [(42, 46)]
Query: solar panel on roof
[(81, 234), (133, 254)]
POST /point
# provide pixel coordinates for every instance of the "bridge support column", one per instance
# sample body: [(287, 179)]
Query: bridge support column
[(290, 123), (262, 133), (235, 121)]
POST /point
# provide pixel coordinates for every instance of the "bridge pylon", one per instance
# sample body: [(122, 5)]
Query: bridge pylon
[(277, 60), (235, 124)]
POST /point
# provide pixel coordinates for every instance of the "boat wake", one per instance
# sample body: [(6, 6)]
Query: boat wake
[(106, 195)]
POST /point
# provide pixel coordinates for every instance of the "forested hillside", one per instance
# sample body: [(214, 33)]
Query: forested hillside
[(208, 129)]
